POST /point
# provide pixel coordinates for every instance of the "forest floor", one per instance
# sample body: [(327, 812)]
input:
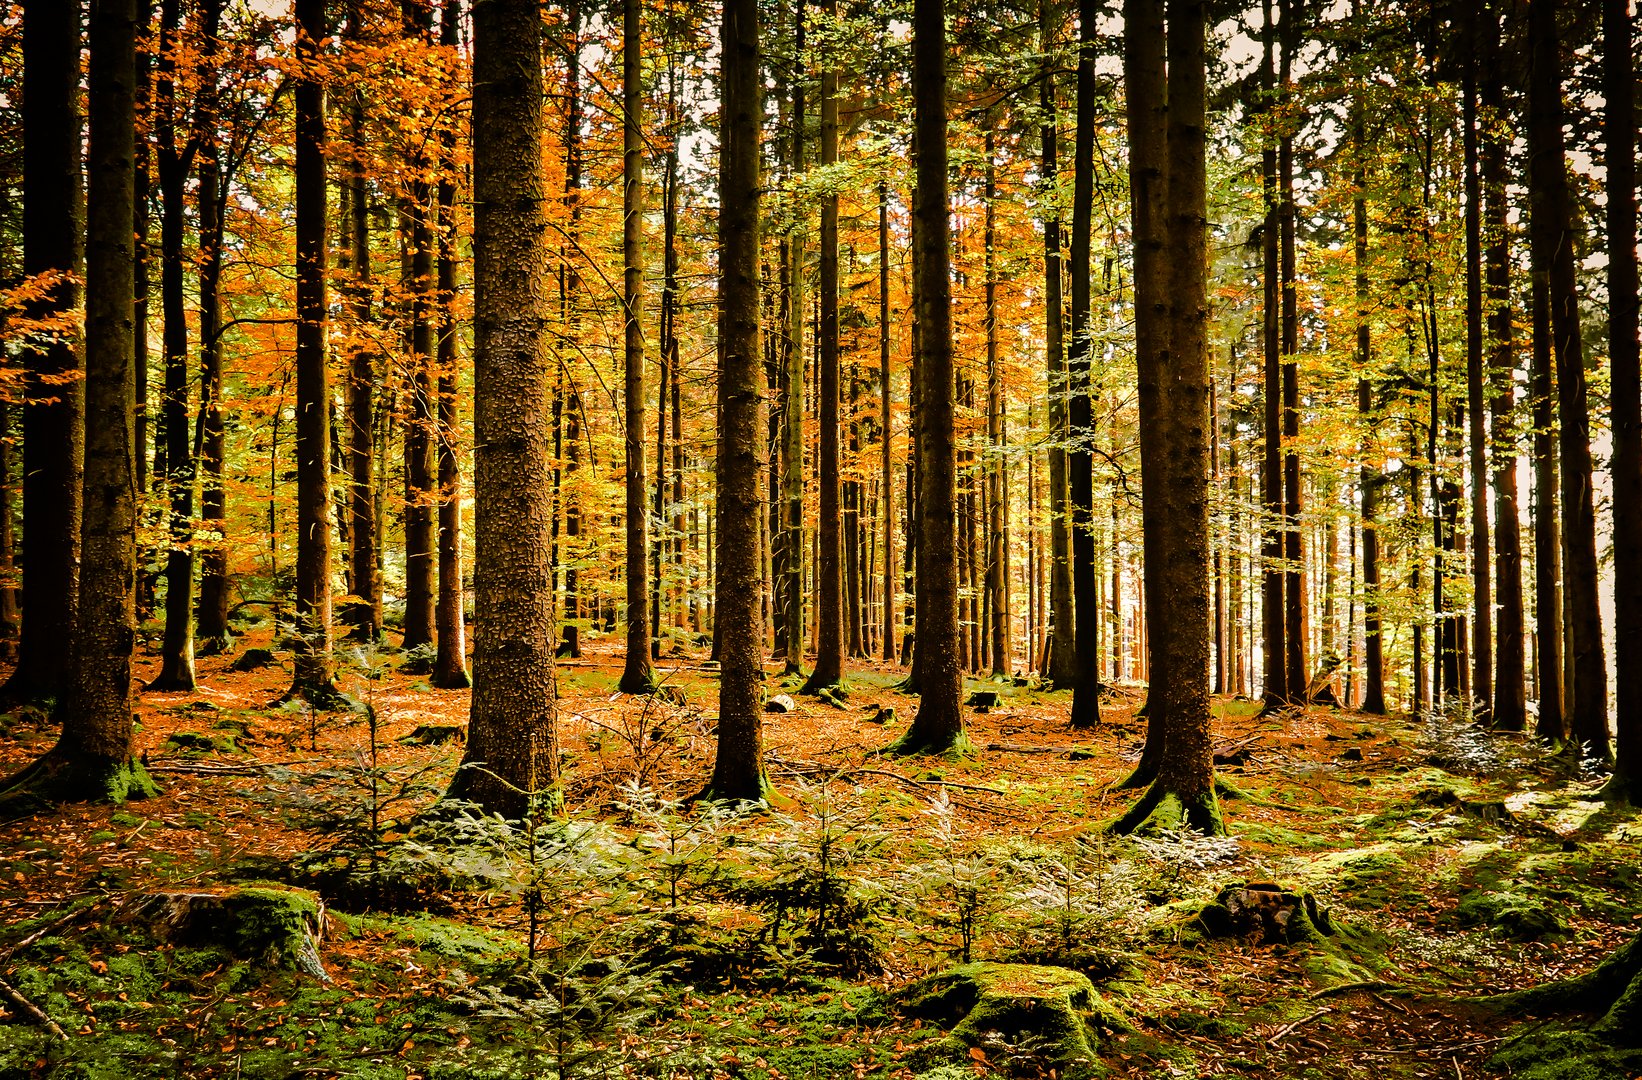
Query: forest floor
[(646, 939)]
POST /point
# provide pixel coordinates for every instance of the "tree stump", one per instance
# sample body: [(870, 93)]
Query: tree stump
[(279, 927)]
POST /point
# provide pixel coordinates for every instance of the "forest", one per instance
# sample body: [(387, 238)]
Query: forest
[(791, 539)]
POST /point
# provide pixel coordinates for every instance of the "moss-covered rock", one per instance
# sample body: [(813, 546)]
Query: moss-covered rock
[(1262, 913), (278, 927), (1513, 915), (1053, 1012)]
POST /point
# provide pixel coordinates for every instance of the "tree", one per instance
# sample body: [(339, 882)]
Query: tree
[(1169, 199), (512, 752), (92, 759), (1062, 659), (53, 406), (637, 676), (1625, 366), (313, 432), (738, 767), (1482, 603), (1552, 229), (938, 726), (1273, 623), (829, 571)]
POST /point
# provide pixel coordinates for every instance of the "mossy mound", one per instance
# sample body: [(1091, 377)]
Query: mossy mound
[(1514, 916), (278, 927), (1613, 989), (1262, 913), (1542, 1053), (1052, 1012)]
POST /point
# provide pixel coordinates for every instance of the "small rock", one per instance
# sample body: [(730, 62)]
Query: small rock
[(192, 740), (781, 703), (883, 714), (984, 700)]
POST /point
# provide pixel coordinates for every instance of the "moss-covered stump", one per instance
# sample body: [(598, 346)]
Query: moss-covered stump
[(275, 926), (1261, 913), (1053, 1012)]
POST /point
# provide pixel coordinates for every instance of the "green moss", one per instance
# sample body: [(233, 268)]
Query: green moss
[(1518, 917), (1162, 809), (914, 742), (1542, 1053)]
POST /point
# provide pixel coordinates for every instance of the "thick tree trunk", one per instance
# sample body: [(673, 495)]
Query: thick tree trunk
[(1553, 257), (738, 767), (829, 569), (1080, 411), (1619, 135), (450, 664), (637, 676), (511, 765), (313, 434), (92, 759), (938, 726), (1168, 181), (54, 404)]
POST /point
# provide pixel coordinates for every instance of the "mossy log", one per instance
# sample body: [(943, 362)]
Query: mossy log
[(1054, 1011), (279, 927)]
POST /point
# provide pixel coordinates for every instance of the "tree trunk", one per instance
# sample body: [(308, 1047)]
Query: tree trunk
[(450, 664), (215, 586), (997, 558), (1553, 257), (1552, 724), (829, 570), (886, 425), (1168, 181), (313, 434), (637, 676), (1619, 134), (738, 767), (791, 587), (1273, 623), (938, 726), (175, 157), (1080, 412), (54, 405), (365, 615), (1369, 480), (1482, 604), (1062, 669), (92, 759), (1295, 613), (512, 761)]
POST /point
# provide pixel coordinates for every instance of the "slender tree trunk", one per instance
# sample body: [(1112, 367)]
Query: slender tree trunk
[(792, 402), (1080, 412), (887, 426), (1273, 622), (568, 405), (1619, 156), (313, 452), (829, 570), (1062, 670), (1369, 479), (1553, 257), (1295, 612), (1482, 603), (1169, 200), (9, 611), (938, 726), (997, 560), (512, 757), (1552, 724), (54, 405), (365, 615), (92, 759), (450, 664), (215, 586), (144, 185)]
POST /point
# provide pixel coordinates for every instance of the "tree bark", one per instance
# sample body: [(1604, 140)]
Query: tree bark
[(1080, 411), (1369, 479), (938, 726), (92, 759), (1553, 257), (738, 767), (1552, 724), (1273, 623), (1295, 611), (215, 586), (997, 530), (1482, 603), (53, 405), (313, 672), (1619, 156), (511, 766), (1062, 670), (887, 426), (364, 615), (791, 587)]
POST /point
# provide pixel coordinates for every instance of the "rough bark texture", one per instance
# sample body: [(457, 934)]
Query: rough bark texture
[(1174, 420), (738, 767), (215, 586), (92, 758), (1080, 411), (791, 585), (313, 432), (365, 614), (1274, 651), (637, 676), (938, 726), (1369, 478), (1295, 613), (1553, 258), (1619, 135), (512, 757), (1062, 670), (54, 405), (829, 571)]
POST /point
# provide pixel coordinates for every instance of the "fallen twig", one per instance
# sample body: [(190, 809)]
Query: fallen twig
[(1288, 1029), (29, 1009), (1352, 987)]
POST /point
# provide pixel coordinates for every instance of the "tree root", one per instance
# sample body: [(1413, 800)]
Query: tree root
[(1162, 809)]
